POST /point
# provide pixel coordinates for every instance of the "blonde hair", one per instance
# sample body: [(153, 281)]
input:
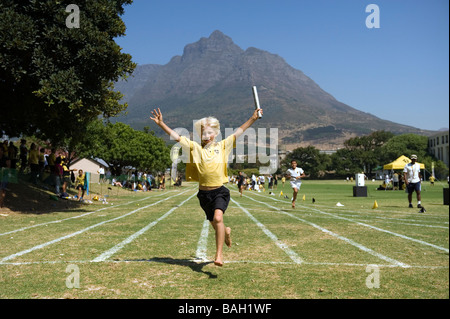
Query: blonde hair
[(207, 121)]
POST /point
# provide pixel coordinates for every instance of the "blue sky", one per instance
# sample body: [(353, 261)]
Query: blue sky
[(398, 72)]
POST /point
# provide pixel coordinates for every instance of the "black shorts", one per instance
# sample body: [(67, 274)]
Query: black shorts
[(212, 200), (413, 187)]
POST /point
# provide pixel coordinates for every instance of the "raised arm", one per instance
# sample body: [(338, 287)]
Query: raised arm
[(247, 124), (158, 119)]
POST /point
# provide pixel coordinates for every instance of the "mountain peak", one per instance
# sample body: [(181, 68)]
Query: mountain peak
[(215, 73), (217, 43), (218, 35)]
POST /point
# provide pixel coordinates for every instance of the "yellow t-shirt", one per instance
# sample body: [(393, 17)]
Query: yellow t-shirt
[(79, 180), (33, 158), (51, 159), (208, 165)]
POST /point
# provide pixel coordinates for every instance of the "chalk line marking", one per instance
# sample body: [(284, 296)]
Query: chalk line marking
[(384, 220), (172, 261), (345, 239), (73, 217), (200, 254), (23, 252), (131, 238), (78, 216), (272, 236), (382, 230), (369, 226)]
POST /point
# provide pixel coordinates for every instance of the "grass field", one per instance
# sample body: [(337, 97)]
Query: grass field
[(157, 245)]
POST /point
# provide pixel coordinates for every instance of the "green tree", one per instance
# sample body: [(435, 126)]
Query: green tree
[(408, 144), (121, 146), (345, 163), (405, 144), (54, 80), (309, 159), (366, 151)]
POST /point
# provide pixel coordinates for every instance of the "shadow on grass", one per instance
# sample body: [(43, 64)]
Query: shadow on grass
[(197, 267), (27, 198)]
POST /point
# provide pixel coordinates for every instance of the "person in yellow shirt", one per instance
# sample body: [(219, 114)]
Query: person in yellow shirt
[(33, 161), (208, 165), (432, 179), (80, 182), (51, 160)]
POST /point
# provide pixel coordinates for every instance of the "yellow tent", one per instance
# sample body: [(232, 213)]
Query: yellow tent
[(400, 163)]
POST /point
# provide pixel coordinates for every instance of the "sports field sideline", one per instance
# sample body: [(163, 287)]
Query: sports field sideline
[(158, 245)]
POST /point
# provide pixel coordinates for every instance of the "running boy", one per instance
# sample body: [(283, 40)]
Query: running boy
[(295, 174), (208, 166)]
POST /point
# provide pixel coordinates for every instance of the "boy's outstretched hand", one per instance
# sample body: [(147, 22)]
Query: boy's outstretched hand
[(255, 115), (158, 118)]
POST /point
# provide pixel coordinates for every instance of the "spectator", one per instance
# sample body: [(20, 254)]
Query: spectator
[(395, 180), (51, 160), (12, 154), (101, 172), (33, 160), (23, 155), (162, 182), (80, 182), (65, 176), (57, 175)]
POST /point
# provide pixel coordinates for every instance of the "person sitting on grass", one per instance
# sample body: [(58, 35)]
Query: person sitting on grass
[(208, 166)]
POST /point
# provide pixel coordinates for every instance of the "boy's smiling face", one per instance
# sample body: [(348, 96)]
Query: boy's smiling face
[(208, 135)]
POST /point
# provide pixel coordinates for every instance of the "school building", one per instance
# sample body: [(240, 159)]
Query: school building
[(438, 146)]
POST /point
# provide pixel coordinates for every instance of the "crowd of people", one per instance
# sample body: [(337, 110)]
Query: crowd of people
[(393, 182), (254, 182), (47, 167), (42, 166), (142, 181)]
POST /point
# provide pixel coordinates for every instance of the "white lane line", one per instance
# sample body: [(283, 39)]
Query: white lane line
[(361, 218), (185, 261), (383, 230), (272, 236), (131, 238), (369, 226), (74, 217), (23, 252), (345, 239), (200, 255)]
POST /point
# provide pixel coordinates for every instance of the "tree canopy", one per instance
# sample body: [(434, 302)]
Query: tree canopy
[(55, 80), (364, 154), (309, 159), (121, 146)]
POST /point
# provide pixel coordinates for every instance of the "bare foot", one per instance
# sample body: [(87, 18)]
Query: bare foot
[(218, 261), (293, 204), (228, 236)]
